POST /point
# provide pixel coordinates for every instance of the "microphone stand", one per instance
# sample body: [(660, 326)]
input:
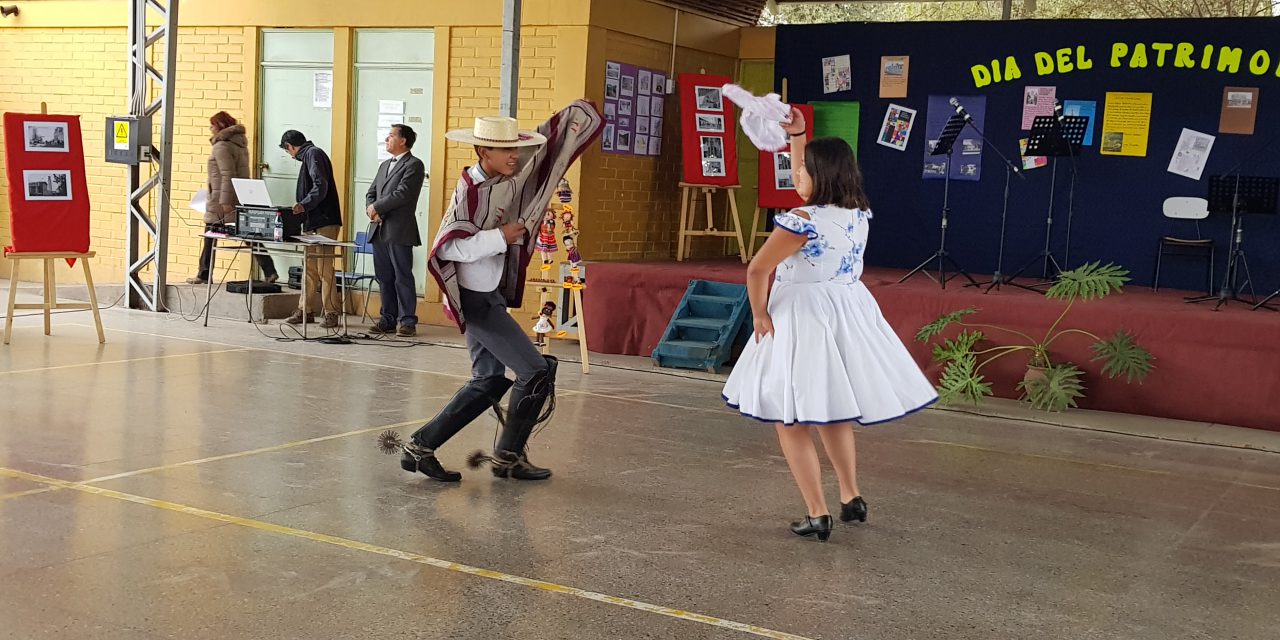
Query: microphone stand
[(1009, 169)]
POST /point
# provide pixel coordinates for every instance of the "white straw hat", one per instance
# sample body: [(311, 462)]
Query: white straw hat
[(496, 131)]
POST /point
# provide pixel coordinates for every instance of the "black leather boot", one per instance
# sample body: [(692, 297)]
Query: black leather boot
[(471, 400), (420, 459), (531, 404)]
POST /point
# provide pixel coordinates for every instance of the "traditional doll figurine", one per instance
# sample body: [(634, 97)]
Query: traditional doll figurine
[(570, 236), (546, 244), (544, 326), (564, 192)]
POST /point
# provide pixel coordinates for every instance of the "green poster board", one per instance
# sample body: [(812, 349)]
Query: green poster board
[(837, 119)]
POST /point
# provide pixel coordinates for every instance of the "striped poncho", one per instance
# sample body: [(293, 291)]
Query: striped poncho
[(479, 206)]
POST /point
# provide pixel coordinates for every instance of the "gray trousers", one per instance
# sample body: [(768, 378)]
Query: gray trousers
[(495, 341)]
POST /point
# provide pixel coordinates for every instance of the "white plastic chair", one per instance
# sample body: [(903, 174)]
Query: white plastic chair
[(1182, 209)]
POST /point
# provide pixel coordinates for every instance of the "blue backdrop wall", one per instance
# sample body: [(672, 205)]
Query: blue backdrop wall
[(1117, 205)]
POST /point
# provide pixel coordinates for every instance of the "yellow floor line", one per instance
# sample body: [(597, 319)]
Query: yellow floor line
[(28, 492), (228, 456), (455, 567), (411, 369), (252, 452), (92, 364)]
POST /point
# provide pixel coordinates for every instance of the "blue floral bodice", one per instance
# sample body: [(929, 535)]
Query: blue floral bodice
[(837, 238)]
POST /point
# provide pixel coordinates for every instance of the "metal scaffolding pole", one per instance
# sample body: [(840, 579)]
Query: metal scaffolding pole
[(510, 93), (142, 229)]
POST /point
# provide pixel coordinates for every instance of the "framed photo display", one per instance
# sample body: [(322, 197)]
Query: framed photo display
[(633, 105), (708, 138)]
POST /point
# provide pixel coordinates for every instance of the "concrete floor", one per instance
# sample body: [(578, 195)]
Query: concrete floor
[(183, 482)]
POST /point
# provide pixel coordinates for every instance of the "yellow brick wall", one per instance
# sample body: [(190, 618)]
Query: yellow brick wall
[(82, 71), (475, 59), (75, 71), (631, 203)]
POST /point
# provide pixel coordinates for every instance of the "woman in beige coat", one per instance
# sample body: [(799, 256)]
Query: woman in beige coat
[(229, 159)]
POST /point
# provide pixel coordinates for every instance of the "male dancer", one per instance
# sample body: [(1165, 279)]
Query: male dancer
[(479, 260)]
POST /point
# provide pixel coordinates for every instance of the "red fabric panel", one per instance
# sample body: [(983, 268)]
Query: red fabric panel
[(690, 137), (771, 197), (1210, 367), (46, 225)]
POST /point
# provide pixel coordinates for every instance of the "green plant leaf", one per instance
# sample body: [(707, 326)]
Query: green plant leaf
[(1123, 357), (955, 349), (1057, 390), (959, 383), (1088, 281), (936, 327)]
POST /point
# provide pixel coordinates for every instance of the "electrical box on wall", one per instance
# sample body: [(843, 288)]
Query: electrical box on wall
[(128, 139)]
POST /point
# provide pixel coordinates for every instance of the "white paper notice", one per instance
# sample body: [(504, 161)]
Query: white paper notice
[(199, 200), (322, 93), (1191, 154), (385, 120), (393, 107), (836, 74)]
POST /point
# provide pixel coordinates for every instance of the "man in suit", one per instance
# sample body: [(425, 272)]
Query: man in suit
[(318, 200), (391, 202)]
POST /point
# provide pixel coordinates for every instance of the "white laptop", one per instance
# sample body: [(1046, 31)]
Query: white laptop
[(252, 193)]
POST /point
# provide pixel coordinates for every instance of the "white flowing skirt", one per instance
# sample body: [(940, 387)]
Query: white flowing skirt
[(832, 358)]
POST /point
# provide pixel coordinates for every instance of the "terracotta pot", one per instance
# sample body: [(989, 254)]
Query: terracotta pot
[(1033, 373)]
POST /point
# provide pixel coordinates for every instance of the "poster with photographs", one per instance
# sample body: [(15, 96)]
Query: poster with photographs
[(45, 137), (47, 184), (712, 156), (631, 96), (708, 143), (708, 123), (708, 99), (782, 178), (895, 131), (837, 74)]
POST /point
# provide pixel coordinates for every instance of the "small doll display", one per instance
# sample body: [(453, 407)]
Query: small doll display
[(546, 243), (544, 325), (570, 236)]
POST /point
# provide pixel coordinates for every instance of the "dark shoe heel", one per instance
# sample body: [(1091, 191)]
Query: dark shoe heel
[(810, 525), (855, 509)]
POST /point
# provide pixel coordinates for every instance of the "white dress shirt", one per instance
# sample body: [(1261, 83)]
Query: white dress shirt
[(481, 257)]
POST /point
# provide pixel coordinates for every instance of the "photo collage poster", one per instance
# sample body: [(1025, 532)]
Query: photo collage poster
[(633, 109), (49, 195), (966, 155)]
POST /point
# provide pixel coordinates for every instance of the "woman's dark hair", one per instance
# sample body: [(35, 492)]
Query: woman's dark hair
[(835, 174), (222, 120)]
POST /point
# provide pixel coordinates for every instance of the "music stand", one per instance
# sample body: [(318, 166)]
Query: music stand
[(1240, 195), (1056, 138), (945, 146)]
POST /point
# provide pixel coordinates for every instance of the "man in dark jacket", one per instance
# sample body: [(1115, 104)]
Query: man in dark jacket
[(318, 201), (390, 204)]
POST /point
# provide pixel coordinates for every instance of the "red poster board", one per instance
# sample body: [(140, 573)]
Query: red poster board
[(707, 131), (771, 196), (48, 193)]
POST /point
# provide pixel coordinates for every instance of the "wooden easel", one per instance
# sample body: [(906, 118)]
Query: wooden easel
[(689, 212), (574, 312), (50, 290)]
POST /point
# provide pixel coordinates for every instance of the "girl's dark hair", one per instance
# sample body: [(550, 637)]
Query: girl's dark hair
[(835, 174)]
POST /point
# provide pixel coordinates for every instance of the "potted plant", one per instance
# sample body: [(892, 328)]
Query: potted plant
[(1048, 385)]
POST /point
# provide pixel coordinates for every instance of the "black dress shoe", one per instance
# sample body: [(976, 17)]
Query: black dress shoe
[(418, 459), (854, 509), (508, 464), (819, 526)]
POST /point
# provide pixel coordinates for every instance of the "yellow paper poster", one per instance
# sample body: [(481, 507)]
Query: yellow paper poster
[(1125, 124)]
